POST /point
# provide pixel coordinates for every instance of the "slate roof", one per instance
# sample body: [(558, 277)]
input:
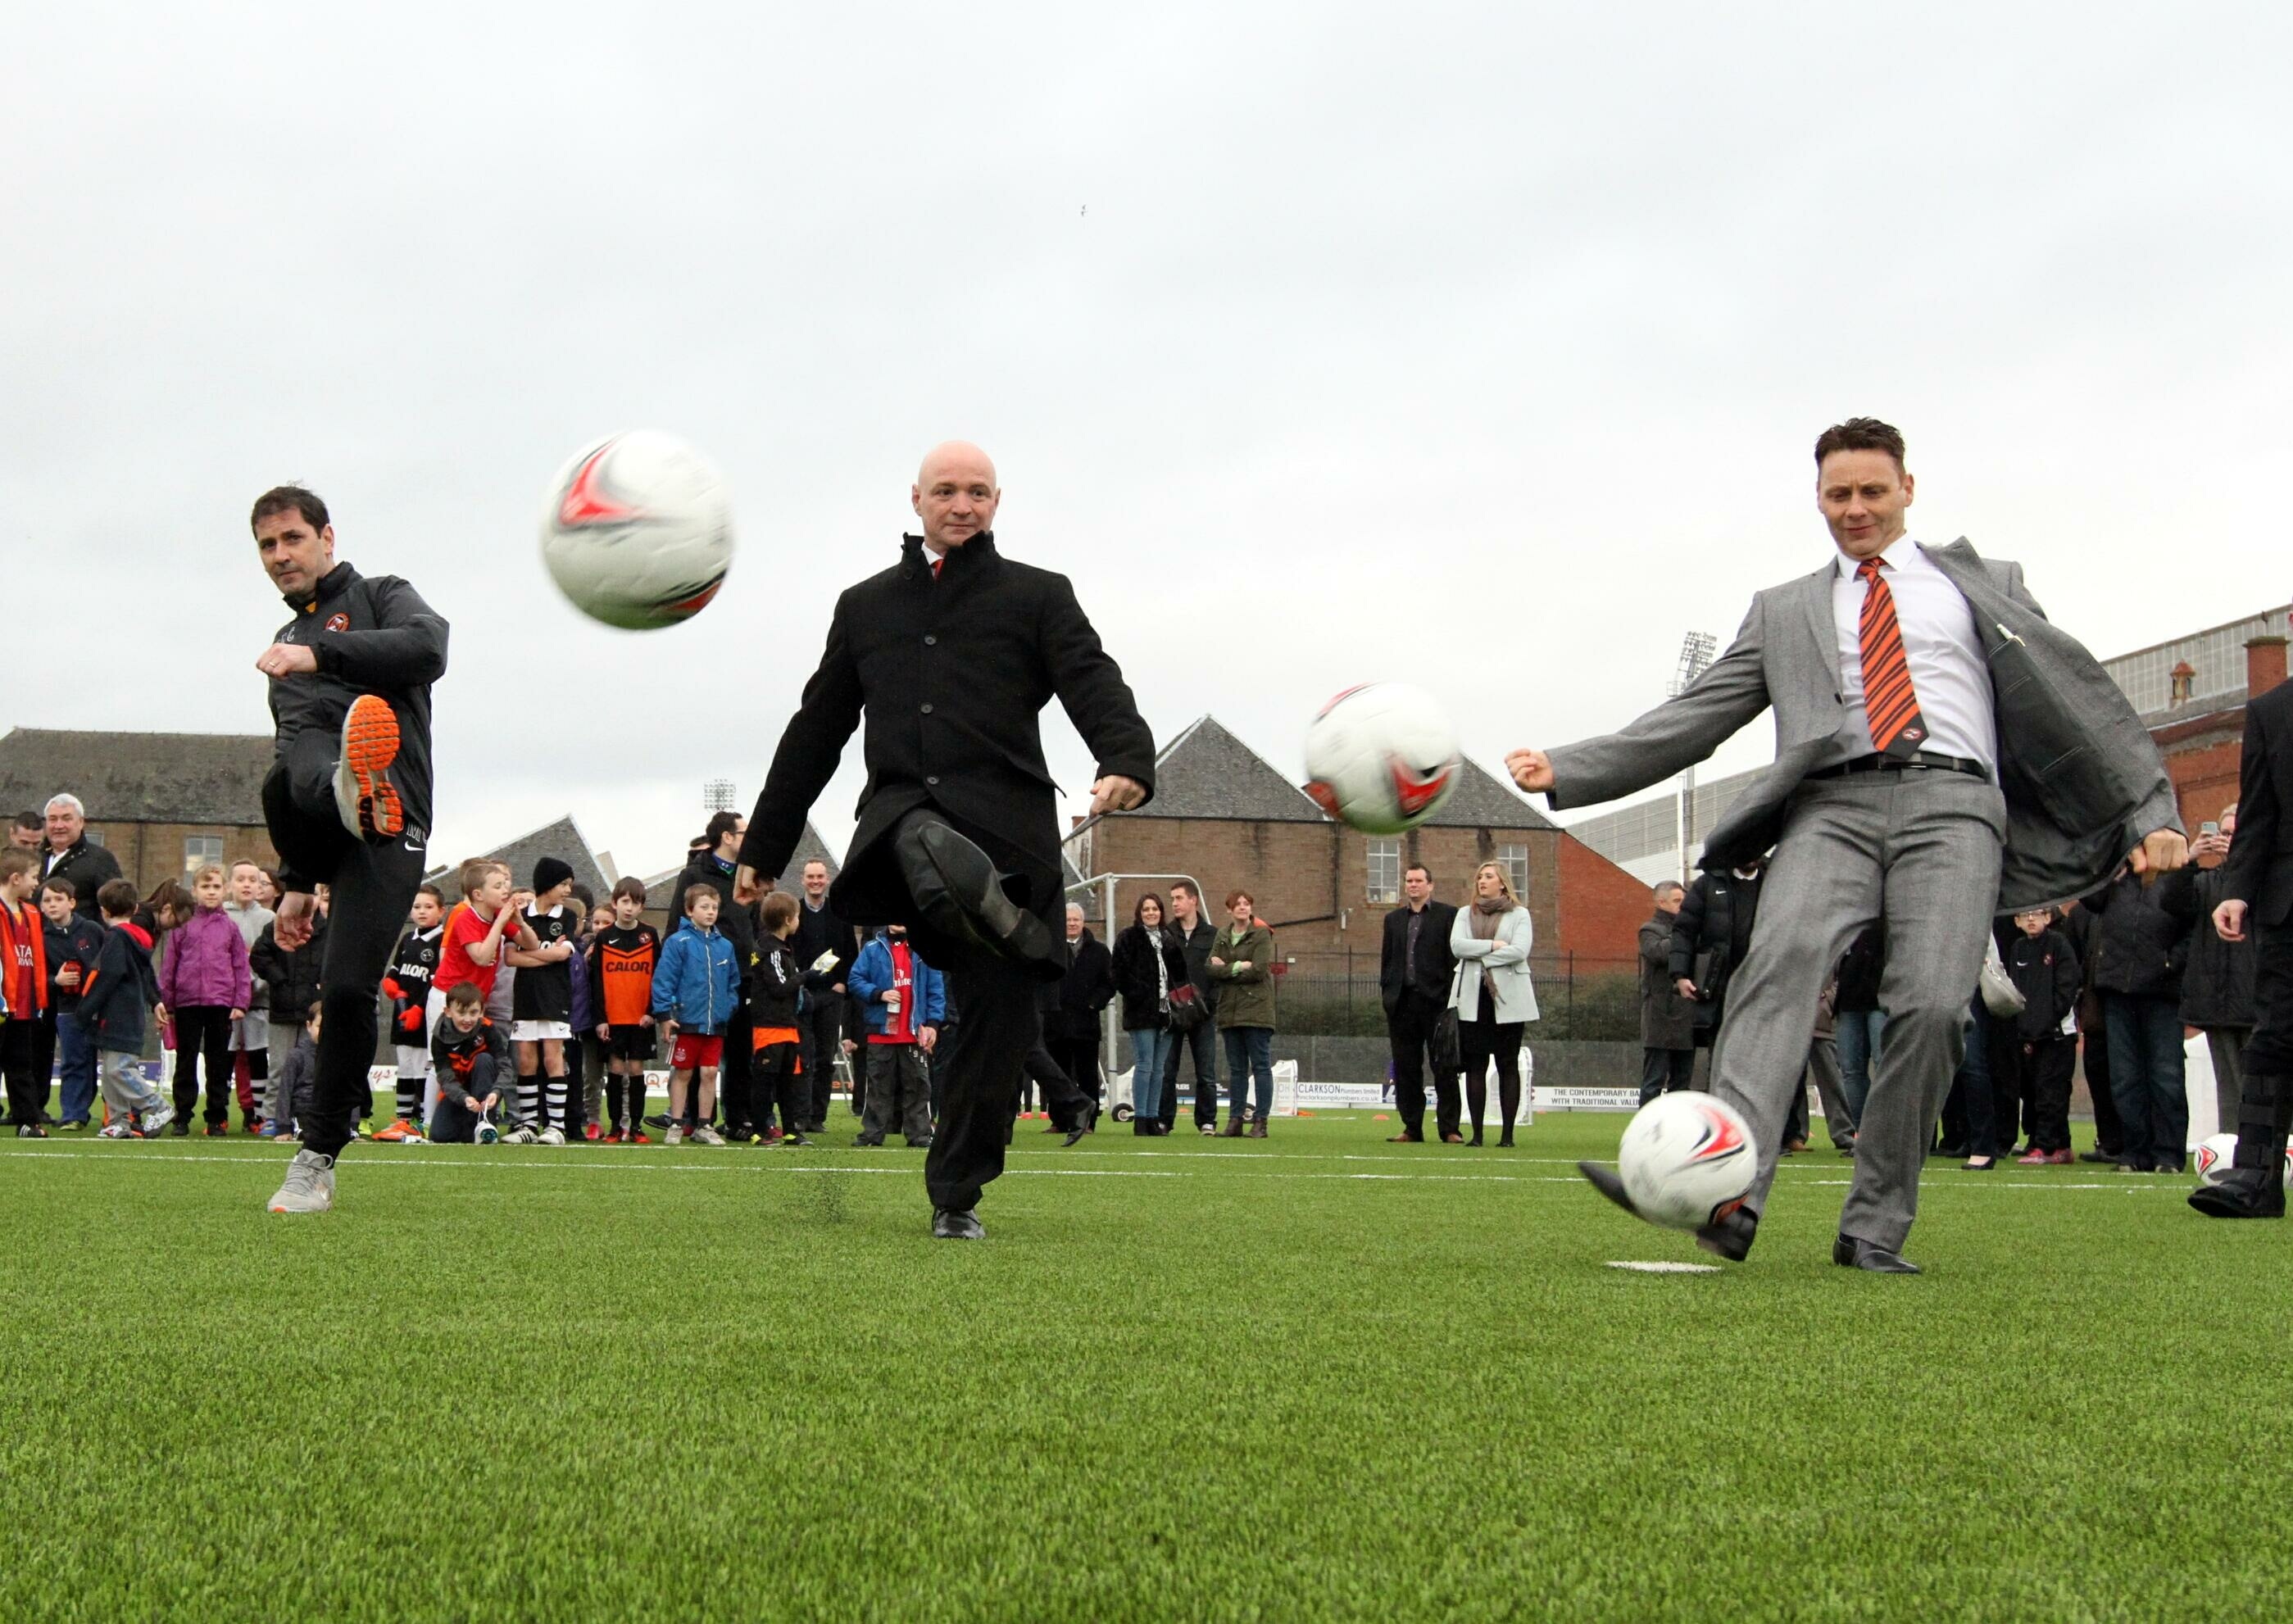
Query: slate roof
[(563, 838), (138, 778), (1481, 800), (810, 846), (1208, 773)]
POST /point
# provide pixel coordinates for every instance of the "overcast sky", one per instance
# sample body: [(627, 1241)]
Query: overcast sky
[(1481, 345)]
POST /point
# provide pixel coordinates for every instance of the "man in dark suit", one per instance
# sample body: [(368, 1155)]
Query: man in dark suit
[(1943, 753), (1072, 1005), (1413, 981), (952, 653), (2259, 901), (1667, 1016)]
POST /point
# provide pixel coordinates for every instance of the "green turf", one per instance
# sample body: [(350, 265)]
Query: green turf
[(1318, 1376)]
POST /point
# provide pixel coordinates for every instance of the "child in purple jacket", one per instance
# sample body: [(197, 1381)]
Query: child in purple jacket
[(203, 986)]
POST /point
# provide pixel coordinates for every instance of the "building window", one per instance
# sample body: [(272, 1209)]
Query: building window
[(198, 852), (1385, 870), (1514, 860)]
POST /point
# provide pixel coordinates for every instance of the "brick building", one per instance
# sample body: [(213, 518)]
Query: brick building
[(2192, 694), (1225, 816), (561, 839), (165, 804)]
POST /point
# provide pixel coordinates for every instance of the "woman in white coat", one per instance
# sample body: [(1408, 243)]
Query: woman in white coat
[(1491, 993)]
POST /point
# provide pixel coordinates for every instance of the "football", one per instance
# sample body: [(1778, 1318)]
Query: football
[(638, 532), (2218, 1154), (1684, 1155), (1381, 757)]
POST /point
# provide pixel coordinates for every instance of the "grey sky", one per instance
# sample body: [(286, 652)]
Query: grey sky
[(1482, 345)]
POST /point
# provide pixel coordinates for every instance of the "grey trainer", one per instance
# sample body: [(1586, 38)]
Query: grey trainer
[(310, 1186)]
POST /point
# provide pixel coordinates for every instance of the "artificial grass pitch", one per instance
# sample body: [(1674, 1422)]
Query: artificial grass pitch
[(1317, 1377)]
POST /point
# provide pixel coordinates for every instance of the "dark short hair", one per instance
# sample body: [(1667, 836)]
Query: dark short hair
[(431, 891), (116, 898), (1187, 886), (720, 824), (283, 498), (30, 820), (61, 883), (1417, 869), (466, 994), (779, 907), (628, 886), (1860, 434), (1664, 886), (694, 893)]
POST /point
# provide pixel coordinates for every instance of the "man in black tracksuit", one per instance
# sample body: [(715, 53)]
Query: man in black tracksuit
[(2258, 904), (1414, 969), (827, 1013), (348, 797), (952, 653)]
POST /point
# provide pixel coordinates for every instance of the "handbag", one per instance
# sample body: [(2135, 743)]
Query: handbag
[(1188, 1008), (2000, 996), (1448, 1045)]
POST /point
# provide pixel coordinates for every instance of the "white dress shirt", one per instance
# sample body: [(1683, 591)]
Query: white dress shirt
[(1949, 673)]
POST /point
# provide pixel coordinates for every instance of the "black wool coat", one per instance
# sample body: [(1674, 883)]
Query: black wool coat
[(2260, 868), (1435, 961), (953, 675)]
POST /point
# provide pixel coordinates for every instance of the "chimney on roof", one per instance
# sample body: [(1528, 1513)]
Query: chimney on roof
[(2264, 665), (2184, 676)]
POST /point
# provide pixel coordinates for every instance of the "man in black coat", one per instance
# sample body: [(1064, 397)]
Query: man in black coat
[(821, 931), (2143, 947), (1667, 1018), (2217, 977), (1414, 966), (952, 653), (71, 854), (1710, 936), (2259, 903), (1072, 1005)]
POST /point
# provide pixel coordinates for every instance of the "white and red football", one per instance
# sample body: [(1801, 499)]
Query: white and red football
[(638, 532), (1381, 757)]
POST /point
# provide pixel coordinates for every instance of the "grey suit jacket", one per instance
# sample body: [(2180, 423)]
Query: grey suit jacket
[(2083, 782)]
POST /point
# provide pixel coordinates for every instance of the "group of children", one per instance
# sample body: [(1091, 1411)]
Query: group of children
[(512, 1015)]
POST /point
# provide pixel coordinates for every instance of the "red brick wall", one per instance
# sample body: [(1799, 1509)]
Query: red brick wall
[(1605, 907)]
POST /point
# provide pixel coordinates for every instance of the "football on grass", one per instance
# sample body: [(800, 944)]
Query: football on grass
[(638, 532), (1683, 1156), (1381, 757), (2218, 1154)]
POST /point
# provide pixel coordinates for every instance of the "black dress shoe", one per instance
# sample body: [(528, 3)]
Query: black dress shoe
[(2106, 1157), (1084, 1124), (960, 892), (2243, 1193), (1609, 1183), (1849, 1253), (957, 1223), (1730, 1233)]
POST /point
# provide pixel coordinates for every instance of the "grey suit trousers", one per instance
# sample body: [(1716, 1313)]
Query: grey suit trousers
[(1921, 850)]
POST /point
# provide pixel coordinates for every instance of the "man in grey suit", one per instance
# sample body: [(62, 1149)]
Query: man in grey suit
[(1942, 751)]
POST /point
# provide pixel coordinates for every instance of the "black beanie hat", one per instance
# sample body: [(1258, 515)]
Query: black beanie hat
[(551, 872)]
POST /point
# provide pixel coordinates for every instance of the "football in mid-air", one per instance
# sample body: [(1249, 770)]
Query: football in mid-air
[(2218, 1154), (1381, 757), (638, 532), (1684, 1155)]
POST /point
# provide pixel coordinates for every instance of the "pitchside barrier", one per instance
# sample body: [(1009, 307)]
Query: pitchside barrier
[(1294, 1094)]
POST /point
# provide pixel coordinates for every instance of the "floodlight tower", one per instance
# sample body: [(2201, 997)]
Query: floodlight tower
[(1695, 654), (717, 795)]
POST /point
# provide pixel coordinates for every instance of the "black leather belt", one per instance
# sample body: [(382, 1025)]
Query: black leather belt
[(1921, 760)]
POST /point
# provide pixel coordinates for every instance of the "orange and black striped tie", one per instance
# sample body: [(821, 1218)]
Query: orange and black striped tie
[(1890, 703)]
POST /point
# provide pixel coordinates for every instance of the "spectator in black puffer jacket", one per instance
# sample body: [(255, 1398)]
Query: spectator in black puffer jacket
[(2217, 982), (2142, 949), (292, 979), (2037, 1048)]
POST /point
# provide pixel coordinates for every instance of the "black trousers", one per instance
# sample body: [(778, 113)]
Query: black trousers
[(203, 1033), (27, 1103), (982, 1056), (1077, 1059), (44, 1054), (2042, 1071), (1409, 1036), (1667, 1071), (1201, 1045), (735, 1092), (823, 1026), (2094, 1050), (1483, 1039), (2269, 1052), (1061, 1098), (777, 1077), (373, 884)]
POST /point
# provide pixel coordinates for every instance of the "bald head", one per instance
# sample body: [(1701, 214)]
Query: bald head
[(955, 494)]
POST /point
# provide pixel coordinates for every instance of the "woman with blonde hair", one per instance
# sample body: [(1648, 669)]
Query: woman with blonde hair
[(1491, 993)]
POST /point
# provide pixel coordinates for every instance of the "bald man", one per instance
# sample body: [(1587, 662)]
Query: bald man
[(952, 653)]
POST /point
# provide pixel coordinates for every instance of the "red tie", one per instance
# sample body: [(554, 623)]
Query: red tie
[(935, 564), (1890, 703)]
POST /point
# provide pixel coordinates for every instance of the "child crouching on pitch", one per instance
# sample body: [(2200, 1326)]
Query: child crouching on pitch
[(775, 1014), (116, 1004), (694, 996), (622, 956), (470, 1063)]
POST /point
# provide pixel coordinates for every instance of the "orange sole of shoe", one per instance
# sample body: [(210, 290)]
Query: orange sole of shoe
[(369, 746)]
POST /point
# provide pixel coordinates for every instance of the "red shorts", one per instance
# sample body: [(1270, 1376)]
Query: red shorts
[(694, 1051)]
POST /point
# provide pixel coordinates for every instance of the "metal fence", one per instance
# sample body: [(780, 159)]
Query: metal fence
[(1579, 996)]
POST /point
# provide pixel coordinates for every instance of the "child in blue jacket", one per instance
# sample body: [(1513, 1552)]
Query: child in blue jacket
[(904, 1001), (695, 991)]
